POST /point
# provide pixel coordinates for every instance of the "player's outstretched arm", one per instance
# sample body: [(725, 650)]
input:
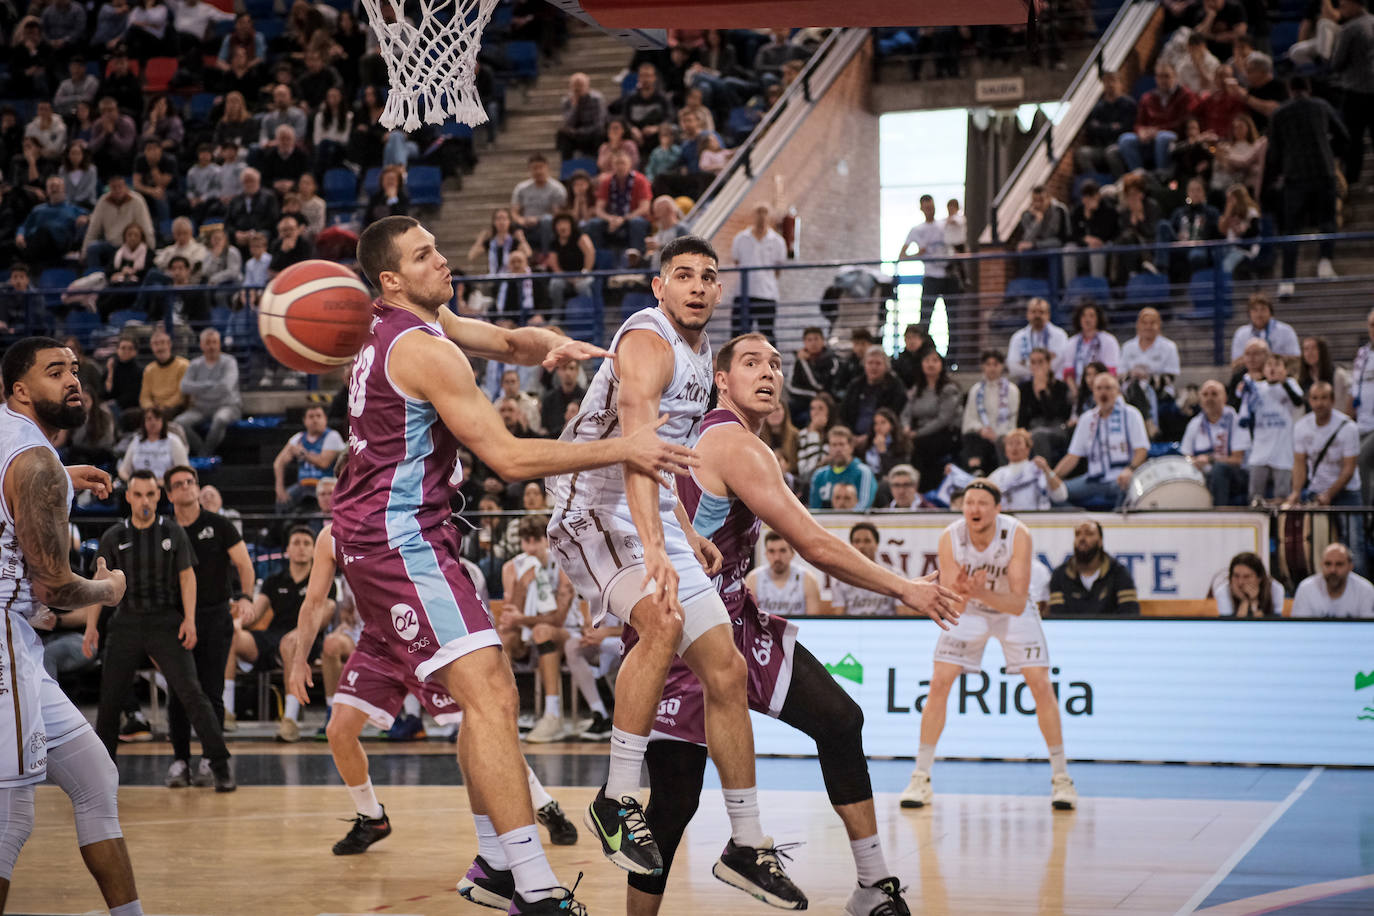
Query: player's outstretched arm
[(746, 467), (36, 486), (522, 346), (432, 369), (315, 609)]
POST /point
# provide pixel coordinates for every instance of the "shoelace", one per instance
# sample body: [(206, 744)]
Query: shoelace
[(892, 905), (573, 907), (632, 813), (769, 857)]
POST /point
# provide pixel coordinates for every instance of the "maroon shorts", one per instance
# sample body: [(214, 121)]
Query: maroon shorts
[(417, 601), (378, 686)]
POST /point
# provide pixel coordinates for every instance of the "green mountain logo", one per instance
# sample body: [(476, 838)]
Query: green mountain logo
[(850, 669), (1364, 680)]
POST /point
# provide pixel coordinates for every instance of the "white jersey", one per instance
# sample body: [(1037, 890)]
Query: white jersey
[(17, 434), (995, 558), (684, 400), (789, 600), (860, 602), (542, 595)]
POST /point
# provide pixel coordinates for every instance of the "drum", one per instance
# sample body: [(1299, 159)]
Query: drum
[(1170, 482), (1303, 538)]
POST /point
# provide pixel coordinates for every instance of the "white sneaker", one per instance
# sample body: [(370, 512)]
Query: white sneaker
[(1063, 795), (1286, 289), (918, 793), (1325, 270), (178, 775), (882, 899), (548, 728)]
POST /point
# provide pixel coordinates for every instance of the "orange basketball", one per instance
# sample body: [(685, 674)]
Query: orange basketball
[(314, 316)]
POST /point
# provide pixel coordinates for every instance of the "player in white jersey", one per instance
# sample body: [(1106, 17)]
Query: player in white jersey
[(987, 556), (43, 734), (783, 587), (631, 551)]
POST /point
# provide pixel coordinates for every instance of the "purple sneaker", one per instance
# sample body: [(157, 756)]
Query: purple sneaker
[(487, 886)]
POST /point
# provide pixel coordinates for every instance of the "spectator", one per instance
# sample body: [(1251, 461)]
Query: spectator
[(29, 58), (571, 251), (1352, 72), (1244, 381), (1239, 223), (521, 297), (156, 178), (314, 451), (390, 198), (253, 210), (581, 197), (858, 602), (202, 183), (813, 439), (1195, 221), (171, 297), (904, 489), (1138, 215), (645, 109), (844, 497), (1197, 69), (113, 137), (622, 207), (124, 86), (842, 467), (528, 403), (927, 240), (155, 449), (52, 229), (48, 129), (157, 618), (554, 406), (498, 241), (990, 412), (1090, 343), (258, 265), (285, 162), (236, 124), (211, 385), (79, 175), (875, 389), (1027, 483), (312, 205), (1091, 583), (1336, 591), (30, 170), (111, 24), (17, 303), (1300, 156), (93, 441), (584, 119), (1092, 225), (64, 27), (1113, 439), (148, 32), (1326, 450), (916, 344), (759, 250), (665, 158), (1215, 443), (319, 77), (281, 111), (1151, 348), (617, 140), (1112, 115), (1247, 589), (333, 127), (116, 209), (184, 245), (291, 246), (123, 375), (194, 22), (535, 200), (1159, 120), (162, 377), (1317, 366), (1038, 333), (1044, 407), (230, 183), (1270, 416), (1263, 94), (163, 124), (932, 416), (813, 372), (131, 264), (1240, 158), (1044, 225), (1360, 401), (1280, 337), (245, 35), (888, 444)]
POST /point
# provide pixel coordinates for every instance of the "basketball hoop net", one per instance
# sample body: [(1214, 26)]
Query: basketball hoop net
[(432, 66)]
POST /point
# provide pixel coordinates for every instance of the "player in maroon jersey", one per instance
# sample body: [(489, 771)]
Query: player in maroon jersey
[(736, 487)]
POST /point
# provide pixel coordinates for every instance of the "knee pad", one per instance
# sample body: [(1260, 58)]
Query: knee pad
[(16, 823), (82, 768), (844, 767)]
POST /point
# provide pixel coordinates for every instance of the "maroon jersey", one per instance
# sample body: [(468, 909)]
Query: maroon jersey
[(725, 520), (403, 466)]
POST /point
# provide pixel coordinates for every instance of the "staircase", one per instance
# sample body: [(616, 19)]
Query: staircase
[(532, 118)]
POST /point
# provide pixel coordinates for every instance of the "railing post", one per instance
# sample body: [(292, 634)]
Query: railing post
[(992, 224)]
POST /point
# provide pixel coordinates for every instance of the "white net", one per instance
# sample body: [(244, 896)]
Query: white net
[(432, 66)]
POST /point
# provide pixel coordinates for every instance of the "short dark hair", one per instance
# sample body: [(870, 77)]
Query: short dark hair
[(377, 246), (865, 526), (21, 356), (862, 334), (19, 266), (1089, 188), (179, 469), (772, 536), (536, 157), (1092, 305), (927, 197), (992, 354), (685, 244), (726, 354), (812, 330), (205, 148), (533, 527), (299, 529), (184, 260), (145, 474), (563, 216), (1038, 189)]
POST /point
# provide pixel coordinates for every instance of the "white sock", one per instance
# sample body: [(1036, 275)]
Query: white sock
[(410, 706), (365, 800), (627, 758), (229, 689), (868, 860), (553, 706), (925, 758), (132, 908), (743, 807), (292, 709), (597, 707), (1058, 766), (488, 846), (534, 879), (538, 794)]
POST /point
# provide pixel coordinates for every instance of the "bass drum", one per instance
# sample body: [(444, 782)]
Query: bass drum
[(1170, 482), (1303, 538)]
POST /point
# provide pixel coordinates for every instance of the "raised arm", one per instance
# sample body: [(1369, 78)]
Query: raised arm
[(522, 346), (36, 486)]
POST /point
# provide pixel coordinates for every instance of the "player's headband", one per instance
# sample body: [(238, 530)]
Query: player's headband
[(986, 486)]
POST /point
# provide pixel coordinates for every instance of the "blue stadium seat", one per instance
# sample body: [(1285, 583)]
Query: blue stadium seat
[(82, 325), (635, 302), (1282, 36), (1143, 85), (1026, 288), (1147, 289), (270, 29), (54, 280), (424, 182), (202, 103), (585, 163), (522, 59), (1087, 287), (582, 319), (260, 10), (1202, 293), (372, 180), (121, 317), (456, 131), (340, 188), (629, 83), (220, 317), (501, 17)]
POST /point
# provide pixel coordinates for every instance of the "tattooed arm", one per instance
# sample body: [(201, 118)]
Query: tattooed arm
[(36, 489)]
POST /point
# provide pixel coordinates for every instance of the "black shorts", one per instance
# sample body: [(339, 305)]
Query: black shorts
[(269, 649)]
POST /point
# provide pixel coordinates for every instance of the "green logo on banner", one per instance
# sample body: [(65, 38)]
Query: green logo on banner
[(848, 668), (1362, 681)]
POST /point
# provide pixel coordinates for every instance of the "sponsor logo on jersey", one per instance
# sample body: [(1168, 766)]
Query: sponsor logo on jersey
[(406, 621), (205, 534), (166, 543)]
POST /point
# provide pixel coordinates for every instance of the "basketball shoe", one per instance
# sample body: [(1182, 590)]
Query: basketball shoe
[(758, 872), (918, 793), (1063, 795), (487, 886), (561, 830), (366, 831), (881, 899), (561, 903), (625, 837)]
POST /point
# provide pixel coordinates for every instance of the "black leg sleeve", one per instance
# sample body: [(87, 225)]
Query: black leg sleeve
[(819, 708), (675, 773)]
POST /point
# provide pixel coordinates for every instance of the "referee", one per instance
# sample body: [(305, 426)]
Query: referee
[(218, 546), (156, 618)]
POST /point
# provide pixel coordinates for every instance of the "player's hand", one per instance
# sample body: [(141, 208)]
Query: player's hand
[(648, 454), (85, 477), (708, 555), (43, 618), (90, 642), (570, 351), (187, 634), (659, 570), (298, 680), (929, 597), (114, 576)]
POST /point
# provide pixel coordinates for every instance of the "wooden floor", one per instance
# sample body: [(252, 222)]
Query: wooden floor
[(265, 850)]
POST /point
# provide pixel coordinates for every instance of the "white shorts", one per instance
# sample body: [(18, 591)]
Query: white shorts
[(35, 714), (603, 556), (1021, 636)]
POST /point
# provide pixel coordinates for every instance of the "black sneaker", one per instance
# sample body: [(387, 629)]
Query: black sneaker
[(758, 872), (599, 730), (881, 899), (561, 830), (487, 886), (561, 903), (135, 728), (224, 779), (625, 837), (366, 831)]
